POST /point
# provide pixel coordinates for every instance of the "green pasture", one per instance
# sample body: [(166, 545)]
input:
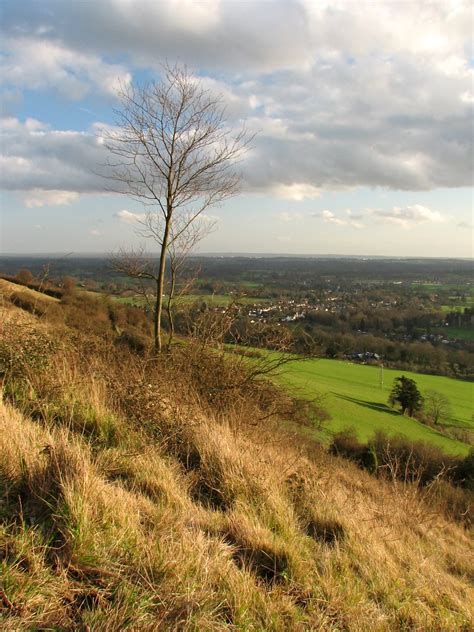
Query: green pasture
[(458, 307), (439, 286), (453, 308), (129, 300), (224, 299), (355, 398), (459, 333), (216, 300)]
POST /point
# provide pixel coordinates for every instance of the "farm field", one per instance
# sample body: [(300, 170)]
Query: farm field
[(456, 333), (457, 307), (217, 300), (354, 398)]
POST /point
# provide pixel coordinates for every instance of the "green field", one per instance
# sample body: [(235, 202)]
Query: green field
[(216, 300), (457, 307), (355, 398), (456, 333)]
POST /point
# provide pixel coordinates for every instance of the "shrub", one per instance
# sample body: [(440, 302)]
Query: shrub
[(454, 502), (346, 444), (134, 341), (464, 473), (407, 461), (27, 302), (396, 457), (24, 276), (24, 349)]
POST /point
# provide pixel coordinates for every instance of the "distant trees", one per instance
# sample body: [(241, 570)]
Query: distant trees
[(69, 284), (405, 393), (173, 151), (24, 276)]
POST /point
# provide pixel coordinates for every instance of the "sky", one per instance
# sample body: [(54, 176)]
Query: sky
[(362, 114)]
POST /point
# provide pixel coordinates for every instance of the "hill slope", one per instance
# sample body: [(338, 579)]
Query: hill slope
[(144, 496)]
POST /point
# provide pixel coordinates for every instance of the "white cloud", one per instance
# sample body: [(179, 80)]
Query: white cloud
[(94, 232), (39, 63), (36, 158), (296, 191), (127, 217), (408, 216), (38, 198), (330, 218), (208, 219), (342, 94)]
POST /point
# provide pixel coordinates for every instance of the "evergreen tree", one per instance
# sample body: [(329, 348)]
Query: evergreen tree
[(405, 392)]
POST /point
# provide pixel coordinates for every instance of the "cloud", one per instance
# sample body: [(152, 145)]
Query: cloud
[(208, 33), (35, 157), (208, 219), (330, 218), (127, 217), (35, 63), (408, 216), (38, 198), (467, 225), (277, 34), (354, 216), (343, 95), (94, 232), (296, 191)]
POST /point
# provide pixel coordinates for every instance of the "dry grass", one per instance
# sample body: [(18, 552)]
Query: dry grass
[(7, 288), (129, 502)]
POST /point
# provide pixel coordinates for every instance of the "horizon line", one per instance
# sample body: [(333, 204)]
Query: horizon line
[(249, 255)]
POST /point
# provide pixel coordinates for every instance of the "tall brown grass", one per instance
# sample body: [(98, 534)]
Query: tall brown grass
[(143, 494)]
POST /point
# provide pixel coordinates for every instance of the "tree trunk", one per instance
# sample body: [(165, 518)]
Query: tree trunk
[(156, 319), (160, 286), (169, 306)]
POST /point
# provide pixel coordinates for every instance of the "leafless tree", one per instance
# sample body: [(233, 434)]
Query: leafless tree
[(172, 150), (181, 245), (437, 406), (142, 266)]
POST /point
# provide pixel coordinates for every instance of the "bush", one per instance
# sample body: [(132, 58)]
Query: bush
[(407, 461), (396, 457), (24, 276), (454, 502), (28, 302), (347, 445), (24, 349), (134, 341), (464, 474)]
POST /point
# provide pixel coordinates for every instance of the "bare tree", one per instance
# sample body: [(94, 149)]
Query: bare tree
[(181, 244), (142, 266), (437, 406), (172, 150)]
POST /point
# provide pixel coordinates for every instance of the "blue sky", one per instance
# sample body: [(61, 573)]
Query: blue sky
[(362, 114)]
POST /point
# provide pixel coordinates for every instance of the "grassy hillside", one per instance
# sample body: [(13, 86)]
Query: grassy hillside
[(9, 289), (356, 399), (140, 494)]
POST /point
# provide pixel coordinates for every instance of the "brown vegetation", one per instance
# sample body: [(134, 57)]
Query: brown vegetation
[(144, 494)]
